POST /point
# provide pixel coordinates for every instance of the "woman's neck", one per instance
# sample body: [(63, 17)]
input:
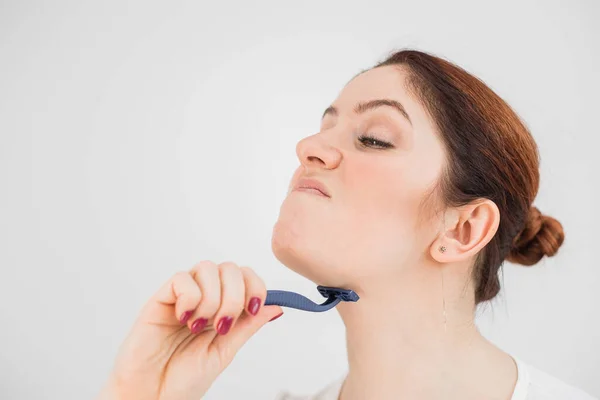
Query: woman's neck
[(401, 344)]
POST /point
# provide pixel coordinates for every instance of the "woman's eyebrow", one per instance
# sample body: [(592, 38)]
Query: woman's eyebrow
[(370, 105)]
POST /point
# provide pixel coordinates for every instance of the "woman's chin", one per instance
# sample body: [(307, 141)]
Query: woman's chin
[(297, 257)]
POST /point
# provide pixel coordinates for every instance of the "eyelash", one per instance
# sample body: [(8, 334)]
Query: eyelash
[(378, 143)]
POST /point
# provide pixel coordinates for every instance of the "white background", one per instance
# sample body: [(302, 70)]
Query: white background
[(137, 139)]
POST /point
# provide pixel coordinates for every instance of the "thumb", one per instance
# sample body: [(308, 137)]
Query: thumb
[(246, 326)]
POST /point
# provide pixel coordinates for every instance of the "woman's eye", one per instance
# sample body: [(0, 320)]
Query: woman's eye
[(370, 141)]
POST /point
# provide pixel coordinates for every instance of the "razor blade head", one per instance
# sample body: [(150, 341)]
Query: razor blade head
[(342, 294)]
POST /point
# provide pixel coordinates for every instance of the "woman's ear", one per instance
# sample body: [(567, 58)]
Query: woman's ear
[(473, 226)]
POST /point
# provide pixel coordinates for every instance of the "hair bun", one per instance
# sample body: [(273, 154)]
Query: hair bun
[(541, 236)]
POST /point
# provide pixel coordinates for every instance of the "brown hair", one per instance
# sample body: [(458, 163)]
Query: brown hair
[(491, 155)]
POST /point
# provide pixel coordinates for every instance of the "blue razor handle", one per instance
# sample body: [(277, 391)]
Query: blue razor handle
[(295, 300)]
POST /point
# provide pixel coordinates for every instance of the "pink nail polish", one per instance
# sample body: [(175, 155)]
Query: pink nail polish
[(224, 325), (254, 305), (198, 325), (275, 317), (185, 316)]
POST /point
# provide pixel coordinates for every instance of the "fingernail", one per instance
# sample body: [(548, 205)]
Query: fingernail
[(224, 325), (198, 325), (185, 316), (254, 305), (275, 317)]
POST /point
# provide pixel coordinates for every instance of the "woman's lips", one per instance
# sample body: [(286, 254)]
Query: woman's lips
[(310, 190), (312, 185)]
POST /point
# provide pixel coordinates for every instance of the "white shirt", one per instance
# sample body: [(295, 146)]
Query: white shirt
[(532, 384)]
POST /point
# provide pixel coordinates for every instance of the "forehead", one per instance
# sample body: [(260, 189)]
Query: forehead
[(389, 82), (379, 83)]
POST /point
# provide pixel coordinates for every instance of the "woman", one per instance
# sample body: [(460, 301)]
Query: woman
[(417, 187)]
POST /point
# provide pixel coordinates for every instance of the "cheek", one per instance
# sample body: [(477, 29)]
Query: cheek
[(382, 209), (383, 193)]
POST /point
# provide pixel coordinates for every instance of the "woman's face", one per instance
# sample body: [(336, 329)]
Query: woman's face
[(369, 227)]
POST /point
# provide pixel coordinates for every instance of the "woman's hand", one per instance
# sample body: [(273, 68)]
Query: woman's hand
[(189, 332)]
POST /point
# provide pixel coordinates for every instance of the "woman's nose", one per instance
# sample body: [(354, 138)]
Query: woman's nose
[(313, 151)]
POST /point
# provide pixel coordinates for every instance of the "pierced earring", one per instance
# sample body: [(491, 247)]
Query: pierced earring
[(442, 248)]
